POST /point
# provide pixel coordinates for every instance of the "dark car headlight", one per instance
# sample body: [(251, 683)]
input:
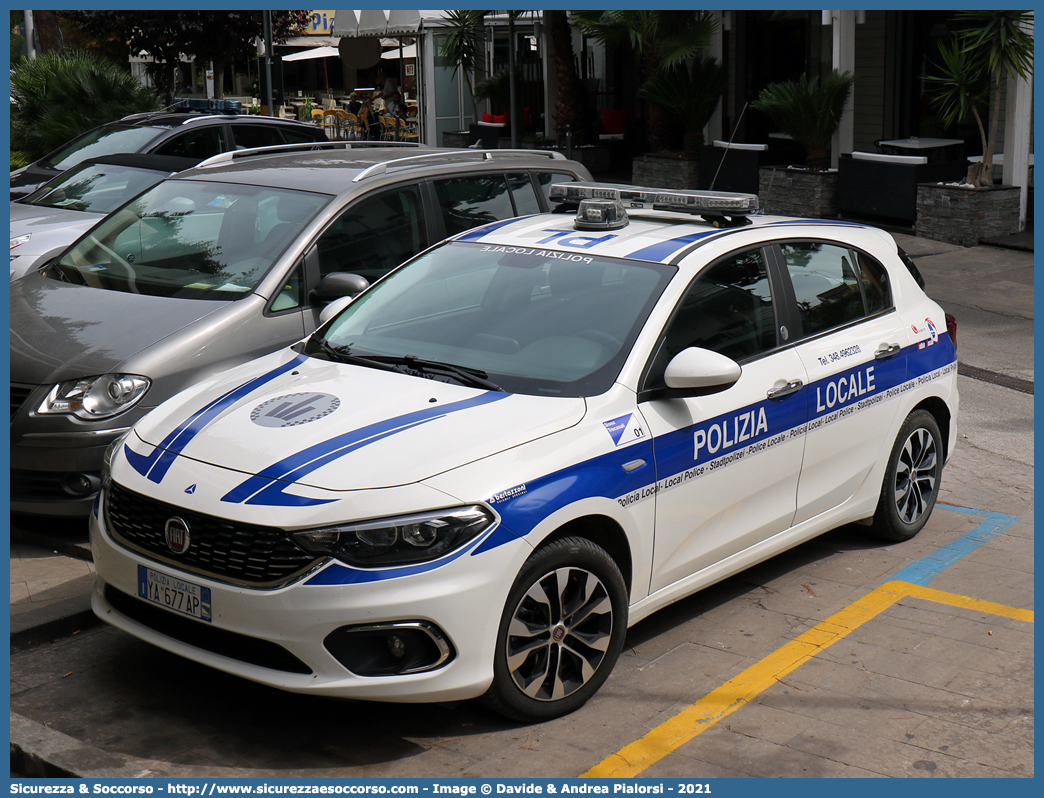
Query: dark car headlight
[(400, 540), (94, 398)]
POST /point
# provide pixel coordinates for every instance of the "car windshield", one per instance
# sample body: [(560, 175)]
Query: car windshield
[(105, 140), (191, 239), (95, 187), (529, 320)]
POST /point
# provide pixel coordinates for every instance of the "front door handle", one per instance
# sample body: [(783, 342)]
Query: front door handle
[(793, 386), (887, 351)]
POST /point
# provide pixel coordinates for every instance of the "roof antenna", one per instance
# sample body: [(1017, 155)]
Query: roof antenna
[(727, 146)]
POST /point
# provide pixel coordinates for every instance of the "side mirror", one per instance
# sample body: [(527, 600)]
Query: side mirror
[(334, 308), (339, 284), (696, 370)]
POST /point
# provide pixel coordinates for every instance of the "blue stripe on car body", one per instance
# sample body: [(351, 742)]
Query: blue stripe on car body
[(155, 465)]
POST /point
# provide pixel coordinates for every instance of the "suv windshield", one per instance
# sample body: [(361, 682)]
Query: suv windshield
[(98, 188), (191, 239), (530, 320), (105, 140)]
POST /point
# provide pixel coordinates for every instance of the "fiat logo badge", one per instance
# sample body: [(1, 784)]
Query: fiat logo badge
[(558, 634), (176, 533)]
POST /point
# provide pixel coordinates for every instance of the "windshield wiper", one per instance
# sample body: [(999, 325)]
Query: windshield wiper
[(344, 354)]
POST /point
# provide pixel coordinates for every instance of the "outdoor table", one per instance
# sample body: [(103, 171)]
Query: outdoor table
[(930, 147)]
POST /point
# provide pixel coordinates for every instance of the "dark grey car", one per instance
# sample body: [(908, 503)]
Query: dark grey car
[(184, 135), (216, 266)]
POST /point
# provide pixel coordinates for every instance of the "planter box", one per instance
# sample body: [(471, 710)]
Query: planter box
[(665, 171), (797, 192), (456, 138), (965, 216), (888, 190)]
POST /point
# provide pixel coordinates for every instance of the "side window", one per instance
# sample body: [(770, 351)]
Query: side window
[(296, 136), (247, 136), (548, 179), (290, 295), (374, 235), (526, 200), (727, 309), (199, 143), (876, 288), (826, 285), (468, 202)]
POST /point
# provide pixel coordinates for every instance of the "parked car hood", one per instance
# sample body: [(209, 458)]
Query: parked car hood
[(333, 426), (61, 331)]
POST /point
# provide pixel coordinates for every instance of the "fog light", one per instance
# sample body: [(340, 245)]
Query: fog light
[(81, 484), (389, 649)]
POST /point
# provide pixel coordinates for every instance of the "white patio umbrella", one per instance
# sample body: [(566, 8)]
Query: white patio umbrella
[(315, 52)]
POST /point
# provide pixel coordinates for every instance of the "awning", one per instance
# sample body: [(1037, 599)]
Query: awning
[(315, 52), (409, 51), (375, 22)]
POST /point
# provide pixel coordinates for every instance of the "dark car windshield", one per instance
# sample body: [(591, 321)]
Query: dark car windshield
[(105, 140), (530, 320), (191, 239), (95, 187)]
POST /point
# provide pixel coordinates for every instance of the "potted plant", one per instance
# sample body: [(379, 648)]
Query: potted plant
[(990, 47), (463, 48), (809, 111), (688, 95)]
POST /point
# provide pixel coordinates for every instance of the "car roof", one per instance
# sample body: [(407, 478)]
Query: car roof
[(340, 167), (172, 119), (664, 236), (142, 160)]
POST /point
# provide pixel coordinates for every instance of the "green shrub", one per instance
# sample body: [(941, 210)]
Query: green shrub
[(60, 96)]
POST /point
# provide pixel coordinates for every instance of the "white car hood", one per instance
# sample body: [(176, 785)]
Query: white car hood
[(340, 427)]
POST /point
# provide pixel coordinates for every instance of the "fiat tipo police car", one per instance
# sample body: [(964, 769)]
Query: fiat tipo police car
[(472, 479)]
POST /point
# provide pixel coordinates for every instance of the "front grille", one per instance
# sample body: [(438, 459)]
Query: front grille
[(19, 393), (226, 550), (195, 633)]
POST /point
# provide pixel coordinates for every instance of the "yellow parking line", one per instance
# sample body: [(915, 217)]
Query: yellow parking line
[(670, 735)]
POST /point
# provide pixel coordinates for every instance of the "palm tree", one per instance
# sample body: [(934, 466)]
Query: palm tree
[(662, 39), (463, 47), (691, 94), (61, 96), (809, 111), (993, 46), (571, 107)]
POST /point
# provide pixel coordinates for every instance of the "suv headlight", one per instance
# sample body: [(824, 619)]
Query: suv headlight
[(401, 540), (93, 398)]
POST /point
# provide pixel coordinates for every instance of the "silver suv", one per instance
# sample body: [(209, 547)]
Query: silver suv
[(216, 266)]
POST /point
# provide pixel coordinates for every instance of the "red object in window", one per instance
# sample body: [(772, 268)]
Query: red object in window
[(525, 117), (500, 119), (487, 117), (614, 122)]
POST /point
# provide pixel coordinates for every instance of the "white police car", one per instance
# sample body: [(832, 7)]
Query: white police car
[(473, 479)]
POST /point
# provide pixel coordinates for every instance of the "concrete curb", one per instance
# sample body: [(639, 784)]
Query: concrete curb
[(40, 752), (78, 551)]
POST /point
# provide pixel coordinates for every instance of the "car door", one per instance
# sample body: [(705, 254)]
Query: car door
[(727, 463), (849, 340)]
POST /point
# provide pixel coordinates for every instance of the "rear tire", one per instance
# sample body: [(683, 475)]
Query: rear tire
[(561, 632), (912, 478)]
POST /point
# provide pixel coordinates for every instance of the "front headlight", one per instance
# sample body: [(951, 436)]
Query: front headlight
[(93, 398), (17, 241), (399, 541), (110, 452)]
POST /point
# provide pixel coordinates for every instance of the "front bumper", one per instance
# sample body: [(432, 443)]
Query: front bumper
[(463, 598)]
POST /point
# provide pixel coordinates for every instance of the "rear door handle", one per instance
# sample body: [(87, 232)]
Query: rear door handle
[(888, 351), (793, 386)]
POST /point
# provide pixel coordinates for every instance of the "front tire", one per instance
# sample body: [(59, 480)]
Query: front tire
[(912, 479), (561, 632)]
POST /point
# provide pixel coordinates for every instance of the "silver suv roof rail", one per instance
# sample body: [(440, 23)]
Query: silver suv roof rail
[(277, 149), (454, 155)]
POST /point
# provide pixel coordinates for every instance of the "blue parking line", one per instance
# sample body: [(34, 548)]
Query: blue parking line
[(922, 571)]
